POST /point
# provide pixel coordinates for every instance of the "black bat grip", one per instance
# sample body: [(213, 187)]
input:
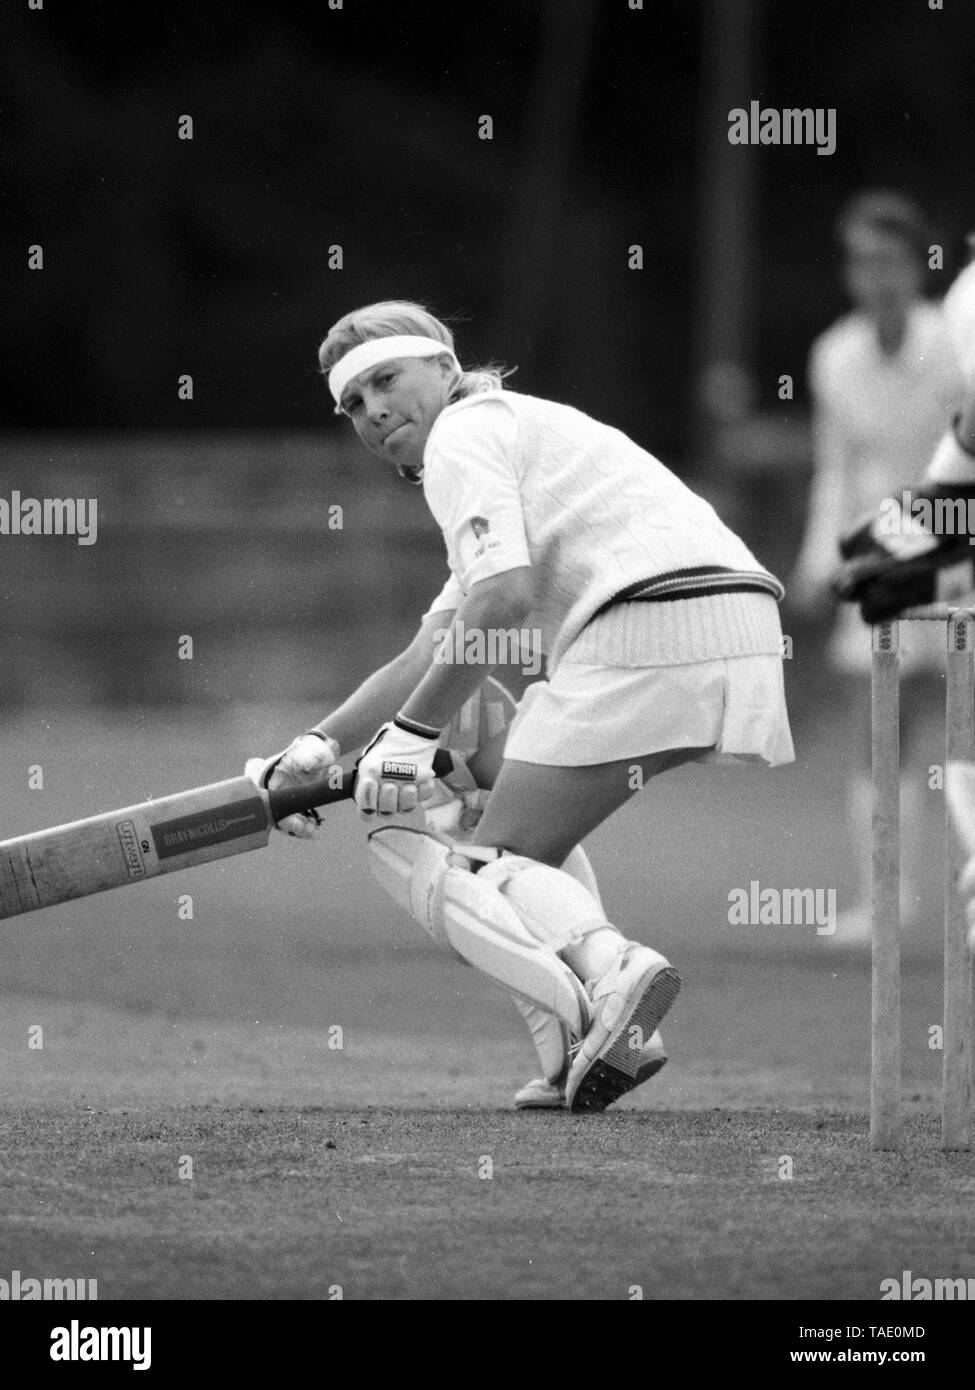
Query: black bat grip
[(285, 801)]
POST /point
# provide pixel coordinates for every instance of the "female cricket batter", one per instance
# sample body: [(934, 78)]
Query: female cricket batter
[(663, 646)]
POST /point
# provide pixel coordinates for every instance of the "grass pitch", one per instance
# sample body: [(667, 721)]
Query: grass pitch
[(344, 1093), (394, 1168)]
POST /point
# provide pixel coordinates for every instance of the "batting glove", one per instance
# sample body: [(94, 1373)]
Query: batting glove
[(305, 759), (395, 773)]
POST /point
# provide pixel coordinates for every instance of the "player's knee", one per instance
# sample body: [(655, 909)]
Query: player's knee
[(555, 907)]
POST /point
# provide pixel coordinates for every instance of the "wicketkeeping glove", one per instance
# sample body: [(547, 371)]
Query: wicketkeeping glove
[(884, 588), (895, 558)]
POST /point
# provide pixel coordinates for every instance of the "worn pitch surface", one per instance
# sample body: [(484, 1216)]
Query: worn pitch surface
[(344, 1093)]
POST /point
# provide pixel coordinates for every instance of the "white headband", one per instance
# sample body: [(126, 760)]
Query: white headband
[(376, 350)]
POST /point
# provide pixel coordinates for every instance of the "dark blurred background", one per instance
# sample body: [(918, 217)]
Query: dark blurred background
[(358, 127)]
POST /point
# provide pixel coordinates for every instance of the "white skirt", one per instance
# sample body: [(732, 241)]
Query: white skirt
[(733, 706)]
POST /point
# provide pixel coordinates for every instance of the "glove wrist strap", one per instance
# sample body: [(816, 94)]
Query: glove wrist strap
[(412, 726)]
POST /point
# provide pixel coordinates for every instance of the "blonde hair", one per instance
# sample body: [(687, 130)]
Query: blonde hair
[(393, 316)]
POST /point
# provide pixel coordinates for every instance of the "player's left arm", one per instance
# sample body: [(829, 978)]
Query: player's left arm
[(473, 486), (472, 471), (396, 769), (498, 604)]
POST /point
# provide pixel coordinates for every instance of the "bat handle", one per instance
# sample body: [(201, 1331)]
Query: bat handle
[(285, 801)]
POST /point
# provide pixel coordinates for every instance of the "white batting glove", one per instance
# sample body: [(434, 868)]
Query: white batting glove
[(304, 760), (395, 773)]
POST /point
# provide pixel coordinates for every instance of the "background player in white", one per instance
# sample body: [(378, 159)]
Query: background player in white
[(663, 643), (884, 583), (954, 461), (884, 381)]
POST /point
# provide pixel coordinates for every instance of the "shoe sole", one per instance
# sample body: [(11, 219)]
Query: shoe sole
[(615, 1071), (650, 1069), (644, 1073)]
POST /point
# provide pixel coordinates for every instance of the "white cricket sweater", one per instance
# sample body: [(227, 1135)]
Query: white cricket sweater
[(513, 480)]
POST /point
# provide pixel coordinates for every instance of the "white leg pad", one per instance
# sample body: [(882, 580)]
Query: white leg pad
[(551, 1038), (474, 920), (486, 930), (411, 865), (554, 906)]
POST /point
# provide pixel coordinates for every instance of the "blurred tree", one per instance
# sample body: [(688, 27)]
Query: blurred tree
[(541, 212)]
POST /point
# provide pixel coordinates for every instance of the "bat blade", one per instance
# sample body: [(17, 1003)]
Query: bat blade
[(131, 844), (156, 837)]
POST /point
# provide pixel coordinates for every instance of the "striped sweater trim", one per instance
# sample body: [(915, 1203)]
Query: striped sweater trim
[(696, 582)]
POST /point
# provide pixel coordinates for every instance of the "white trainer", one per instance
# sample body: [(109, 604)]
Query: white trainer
[(540, 1095), (629, 1002), (546, 1095)]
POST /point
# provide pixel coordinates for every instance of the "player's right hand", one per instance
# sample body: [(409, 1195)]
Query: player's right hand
[(304, 760)]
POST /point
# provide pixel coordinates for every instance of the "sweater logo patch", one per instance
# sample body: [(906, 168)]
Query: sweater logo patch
[(482, 533)]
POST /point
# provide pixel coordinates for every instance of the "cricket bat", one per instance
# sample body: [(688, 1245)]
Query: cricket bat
[(156, 837)]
